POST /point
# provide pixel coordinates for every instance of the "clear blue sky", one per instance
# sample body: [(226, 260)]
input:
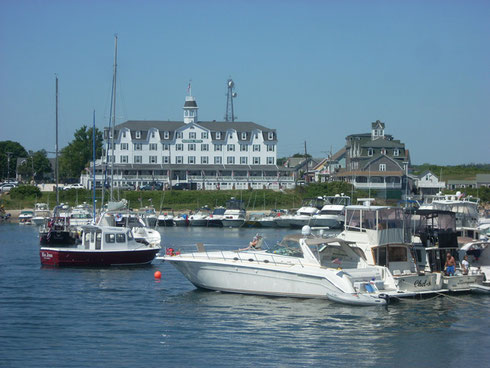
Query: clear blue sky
[(316, 71)]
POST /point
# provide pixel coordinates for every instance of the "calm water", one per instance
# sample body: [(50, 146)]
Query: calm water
[(125, 318)]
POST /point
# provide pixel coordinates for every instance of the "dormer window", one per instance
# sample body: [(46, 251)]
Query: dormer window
[(396, 152), (383, 151), (218, 135), (370, 151), (166, 135), (153, 134), (124, 134), (271, 136), (244, 136), (138, 134)]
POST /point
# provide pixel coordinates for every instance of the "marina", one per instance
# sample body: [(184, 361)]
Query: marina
[(139, 320)]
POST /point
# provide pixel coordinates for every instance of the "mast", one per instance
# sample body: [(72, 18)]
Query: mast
[(56, 148), (93, 167), (113, 124)]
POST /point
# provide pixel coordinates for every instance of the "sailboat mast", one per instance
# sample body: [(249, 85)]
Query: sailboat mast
[(93, 168), (56, 148), (113, 125)]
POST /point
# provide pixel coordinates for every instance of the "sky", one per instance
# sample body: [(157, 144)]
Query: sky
[(314, 70)]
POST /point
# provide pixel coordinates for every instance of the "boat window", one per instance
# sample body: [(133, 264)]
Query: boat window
[(92, 237), (130, 235), (397, 254), (120, 238), (287, 247), (87, 239), (379, 255), (98, 242), (110, 238)]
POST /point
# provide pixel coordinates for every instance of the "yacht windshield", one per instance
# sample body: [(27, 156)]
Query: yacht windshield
[(287, 247)]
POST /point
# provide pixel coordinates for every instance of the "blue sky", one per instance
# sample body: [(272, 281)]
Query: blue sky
[(315, 71)]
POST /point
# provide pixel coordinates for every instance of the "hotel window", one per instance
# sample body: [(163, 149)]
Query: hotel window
[(153, 146), (383, 151), (243, 160), (137, 159), (123, 159), (153, 159), (165, 159), (256, 147), (191, 147), (243, 147), (179, 147), (110, 158), (191, 159), (256, 135), (230, 147), (218, 160), (218, 135), (382, 167), (204, 160), (165, 147), (166, 135), (192, 135), (204, 135), (124, 134), (179, 135), (370, 151), (396, 152), (230, 160), (218, 147), (124, 146), (138, 146), (271, 148), (256, 160), (244, 136), (270, 160), (138, 134), (204, 147), (270, 136), (153, 134), (179, 159)]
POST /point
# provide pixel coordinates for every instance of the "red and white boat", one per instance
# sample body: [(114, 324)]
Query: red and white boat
[(101, 246)]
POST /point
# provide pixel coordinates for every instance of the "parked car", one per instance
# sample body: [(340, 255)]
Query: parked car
[(126, 187), (152, 186), (6, 187), (73, 186), (185, 186)]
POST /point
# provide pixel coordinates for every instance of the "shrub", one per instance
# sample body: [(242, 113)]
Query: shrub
[(25, 191)]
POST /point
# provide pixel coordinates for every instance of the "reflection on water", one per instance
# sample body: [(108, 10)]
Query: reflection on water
[(125, 318)]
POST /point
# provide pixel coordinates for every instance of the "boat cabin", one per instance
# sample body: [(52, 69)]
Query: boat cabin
[(107, 238)]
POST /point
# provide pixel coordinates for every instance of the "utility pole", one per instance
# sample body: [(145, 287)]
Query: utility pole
[(8, 165)]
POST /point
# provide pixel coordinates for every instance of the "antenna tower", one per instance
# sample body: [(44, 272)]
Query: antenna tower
[(230, 95)]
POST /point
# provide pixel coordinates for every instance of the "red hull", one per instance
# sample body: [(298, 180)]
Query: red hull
[(71, 257)]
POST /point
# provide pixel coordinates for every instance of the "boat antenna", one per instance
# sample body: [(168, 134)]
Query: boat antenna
[(93, 166), (56, 147), (113, 125)]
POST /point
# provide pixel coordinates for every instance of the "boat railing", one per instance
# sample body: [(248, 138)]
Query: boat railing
[(264, 257)]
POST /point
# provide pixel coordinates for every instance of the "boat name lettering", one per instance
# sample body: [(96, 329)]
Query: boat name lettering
[(420, 283), (46, 255)]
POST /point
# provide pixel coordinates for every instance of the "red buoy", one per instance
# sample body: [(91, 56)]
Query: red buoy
[(158, 275)]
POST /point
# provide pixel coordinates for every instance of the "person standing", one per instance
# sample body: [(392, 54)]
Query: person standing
[(450, 265)]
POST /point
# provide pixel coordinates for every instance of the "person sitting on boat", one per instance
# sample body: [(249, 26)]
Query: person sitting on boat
[(450, 265), (466, 265), (254, 244)]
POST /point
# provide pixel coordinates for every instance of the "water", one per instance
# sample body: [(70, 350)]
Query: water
[(125, 318)]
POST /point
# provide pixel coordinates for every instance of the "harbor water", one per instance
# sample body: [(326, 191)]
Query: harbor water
[(124, 317)]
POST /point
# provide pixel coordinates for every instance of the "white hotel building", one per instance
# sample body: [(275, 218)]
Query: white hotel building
[(211, 154)]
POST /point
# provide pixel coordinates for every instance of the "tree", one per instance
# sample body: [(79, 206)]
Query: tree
[(77, 155), (36, 165), (14, 150)]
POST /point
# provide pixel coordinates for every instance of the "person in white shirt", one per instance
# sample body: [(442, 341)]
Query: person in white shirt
[(466, 265)]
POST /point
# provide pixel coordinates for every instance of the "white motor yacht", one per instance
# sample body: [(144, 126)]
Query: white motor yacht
[(25, 217), (303, 215), (214, 219), (299, 266), (41, 213), (122, 217), (332, 213), (200, 217), (166, 217), (269, 219), (383, 235), (235, 214)]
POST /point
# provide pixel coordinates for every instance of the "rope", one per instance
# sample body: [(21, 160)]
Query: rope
[(457, 300)]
